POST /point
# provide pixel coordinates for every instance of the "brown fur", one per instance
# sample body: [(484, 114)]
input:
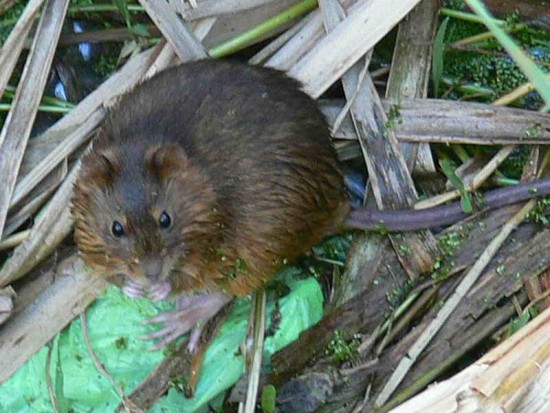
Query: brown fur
[(238, 157)]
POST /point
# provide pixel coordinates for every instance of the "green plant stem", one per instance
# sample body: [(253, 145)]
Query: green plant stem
[(467, 88), (503, 181), (4, 107), (469, 17), (244, 39), (102, 8), (485, 36), (460, 152), (50, 100), (398, 312)]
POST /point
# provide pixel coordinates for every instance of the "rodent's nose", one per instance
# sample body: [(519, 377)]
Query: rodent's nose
[(152, 269)]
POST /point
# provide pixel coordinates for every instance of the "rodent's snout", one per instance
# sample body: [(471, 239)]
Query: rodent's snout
[(152, 269)]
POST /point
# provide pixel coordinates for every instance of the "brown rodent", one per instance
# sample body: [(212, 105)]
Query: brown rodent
[(208, 178), (237, 159)]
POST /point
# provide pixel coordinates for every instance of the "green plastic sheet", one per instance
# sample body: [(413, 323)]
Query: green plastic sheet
[(114, 324)]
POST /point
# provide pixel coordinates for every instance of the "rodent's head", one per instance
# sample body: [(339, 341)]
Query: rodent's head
[(139, 211)]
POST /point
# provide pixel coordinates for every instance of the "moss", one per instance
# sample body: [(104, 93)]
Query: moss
[(9, 18), (449, 243), (539, 213), (394, 116), (487, 65), (513, 166), (454, 4), (340, 349), (121, 343)]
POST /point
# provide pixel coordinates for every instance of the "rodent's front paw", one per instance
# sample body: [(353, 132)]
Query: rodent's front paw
[(132, 289), (160, 291), (190, 311)]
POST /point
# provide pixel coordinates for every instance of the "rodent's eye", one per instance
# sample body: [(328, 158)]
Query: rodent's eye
[(165, 220), (117, 229)]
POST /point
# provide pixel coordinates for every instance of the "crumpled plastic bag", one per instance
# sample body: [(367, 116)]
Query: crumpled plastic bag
[(114, 330)]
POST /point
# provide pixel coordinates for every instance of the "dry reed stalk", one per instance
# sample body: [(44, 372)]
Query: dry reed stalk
[(176, 31), (488, 169), (72, 290), (7, 296), (11, 49), (215, 8), (72, 141), (391, 181), (514, 376), (36, 198), (333, 55), (258, 333), (410, 72), (450, 122), (18, 124)]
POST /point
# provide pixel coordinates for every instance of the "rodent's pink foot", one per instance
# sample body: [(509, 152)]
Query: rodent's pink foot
[(160, 291), (133, 290), (192, 311)]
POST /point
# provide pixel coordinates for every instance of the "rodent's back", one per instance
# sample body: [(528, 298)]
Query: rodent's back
[(259, 141)]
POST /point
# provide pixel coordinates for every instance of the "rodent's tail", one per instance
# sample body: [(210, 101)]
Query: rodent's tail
[(416, 219)]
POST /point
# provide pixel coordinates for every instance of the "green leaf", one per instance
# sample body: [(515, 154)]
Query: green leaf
[(140, 30), (437, 57), (450, 172), (518, 322), (269, 395), (122, 6)]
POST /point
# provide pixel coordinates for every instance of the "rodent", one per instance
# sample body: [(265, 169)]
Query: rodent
[(209, 177)]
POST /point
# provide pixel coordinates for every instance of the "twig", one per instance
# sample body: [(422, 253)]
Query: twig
[(359, 408), (15, 239), (129, 406), (345, 110), (482, 331), (402, 322), (49, 383), (215, 8), (257, 353), (536, 300), (67, 146), (479, 178)]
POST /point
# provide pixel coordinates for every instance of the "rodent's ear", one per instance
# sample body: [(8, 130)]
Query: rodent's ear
[(162, 161), (101, 166)]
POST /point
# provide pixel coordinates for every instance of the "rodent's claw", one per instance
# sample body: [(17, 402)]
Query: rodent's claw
[(160, 291), (175, 326), (191, 311), (133, 290), (194, 339)]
